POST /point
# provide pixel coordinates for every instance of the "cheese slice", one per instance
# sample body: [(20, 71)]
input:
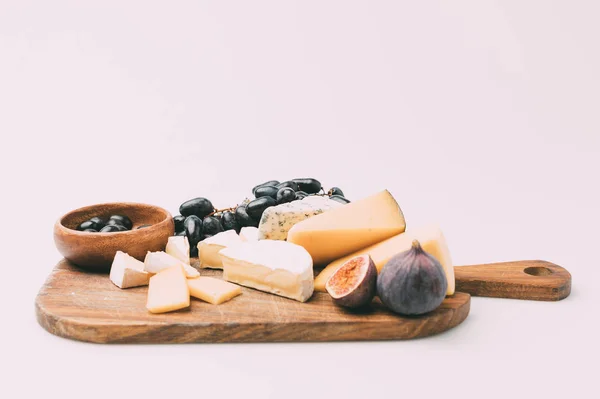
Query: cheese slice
[(249, 233), (208, 250), (277, 220), (126, 271), (179, 247), (168, 291), (278, 267), (348, 228), (432, 241), (157, 261), (213, 290)]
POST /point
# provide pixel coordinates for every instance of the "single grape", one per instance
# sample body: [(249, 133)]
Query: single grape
[(178, 220), (229, 221), (256, 208), (193, 229), (340, 199), (211, 225), (266, 191), (335, 191), (200, 207), (285, 195), (291, 184), (242, 217), (267, 183), (180, 233), (308, 185)]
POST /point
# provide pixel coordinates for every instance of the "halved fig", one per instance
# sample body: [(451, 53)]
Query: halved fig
[(354, 284)]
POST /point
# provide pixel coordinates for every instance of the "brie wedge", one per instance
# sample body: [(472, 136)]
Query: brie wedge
[(157, 261), (278, 267), (179, 247), (208, 249), (249, 234), (126, 271)]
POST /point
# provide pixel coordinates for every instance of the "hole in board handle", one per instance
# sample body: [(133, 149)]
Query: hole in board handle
[(538, 271)]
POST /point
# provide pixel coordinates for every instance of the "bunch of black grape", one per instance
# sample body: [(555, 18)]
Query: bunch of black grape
[(199, 219)]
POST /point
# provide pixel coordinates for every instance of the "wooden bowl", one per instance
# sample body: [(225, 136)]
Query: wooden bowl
[(95, 251)]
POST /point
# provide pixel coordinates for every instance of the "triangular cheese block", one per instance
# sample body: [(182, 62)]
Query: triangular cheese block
[(348, 228), (126, 271)]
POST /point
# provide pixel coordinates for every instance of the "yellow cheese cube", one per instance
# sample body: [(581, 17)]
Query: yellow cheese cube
[(348, 228), (213, 290), (432, 241), (168, 291)]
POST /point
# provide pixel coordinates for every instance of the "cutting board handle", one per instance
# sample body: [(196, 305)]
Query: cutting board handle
[(526, 279)]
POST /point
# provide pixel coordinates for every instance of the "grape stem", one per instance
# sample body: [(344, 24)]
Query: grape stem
[(222, 210)]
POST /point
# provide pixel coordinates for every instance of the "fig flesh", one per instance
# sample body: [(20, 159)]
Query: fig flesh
[(412, 282), (354, 284)]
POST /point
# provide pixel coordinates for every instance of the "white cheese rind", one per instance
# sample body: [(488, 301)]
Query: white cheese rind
[(277, 220), (249, 234), (208, 249), (277, 267), (126, 271), (179, 247), (157, 261)]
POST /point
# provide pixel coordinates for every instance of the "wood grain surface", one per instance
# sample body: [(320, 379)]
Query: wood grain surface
[(86, 306), (528, 279)]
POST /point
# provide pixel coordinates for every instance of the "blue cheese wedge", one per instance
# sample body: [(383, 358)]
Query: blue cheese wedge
[(277, 220), (278, 267)]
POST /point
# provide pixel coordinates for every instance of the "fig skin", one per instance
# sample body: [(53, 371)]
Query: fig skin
[(412, 282), (364, 292)]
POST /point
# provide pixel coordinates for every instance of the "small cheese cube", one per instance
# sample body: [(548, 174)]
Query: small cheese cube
[(213, 290), (179, 247), (126, 271), (208, 249), (168, 291), (157, 261)]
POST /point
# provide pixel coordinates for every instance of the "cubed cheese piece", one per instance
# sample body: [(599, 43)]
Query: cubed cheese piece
[(168, 290), (348, 228), (208, 249), (249, 233), (431, 239), (179, 247), (126, 271), (212, 290), (278, 267), (157, 261), (277, 220)]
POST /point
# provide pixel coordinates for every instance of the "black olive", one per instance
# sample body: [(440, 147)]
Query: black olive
[(200, 207), (211, 225), (112, 228), (335, 191), (90, 231), (308, 185), (267, 183), (229, 221), (193, 229), (101, 222), (266, 191), (285, 195), (116, 222), (242, 217), (194, 251), (340, 199), (123, 220), (89, 224), (291, 184), (178, 220), (180, 233), (256, 208)]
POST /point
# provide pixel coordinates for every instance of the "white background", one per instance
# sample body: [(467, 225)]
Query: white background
[(481, 116)]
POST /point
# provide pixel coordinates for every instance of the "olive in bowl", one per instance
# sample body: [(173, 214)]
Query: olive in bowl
[(95, 251)]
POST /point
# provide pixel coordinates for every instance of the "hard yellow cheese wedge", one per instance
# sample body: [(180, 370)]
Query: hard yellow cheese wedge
[(348, 228), (168, 291), (213, 290), (431, 239)]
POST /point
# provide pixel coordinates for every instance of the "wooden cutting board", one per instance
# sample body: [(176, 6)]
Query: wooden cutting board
[(86, 306)]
